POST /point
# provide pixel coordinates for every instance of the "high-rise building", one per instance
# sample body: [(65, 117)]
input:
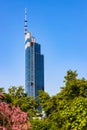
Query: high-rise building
[(34, 64)]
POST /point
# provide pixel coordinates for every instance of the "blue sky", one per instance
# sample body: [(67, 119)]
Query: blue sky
[(60, 26)]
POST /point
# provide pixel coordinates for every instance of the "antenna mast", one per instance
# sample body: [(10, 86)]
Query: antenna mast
[(25, 23)]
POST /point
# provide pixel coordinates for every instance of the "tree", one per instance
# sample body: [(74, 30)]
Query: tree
[(40, 124), (2, 90), (12, 118), (71, 76), (17, 97), (67, 110)]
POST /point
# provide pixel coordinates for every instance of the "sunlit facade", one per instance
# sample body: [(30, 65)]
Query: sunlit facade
[(34, 66)]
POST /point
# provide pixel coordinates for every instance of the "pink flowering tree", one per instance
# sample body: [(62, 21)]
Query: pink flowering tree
[(12, 118)]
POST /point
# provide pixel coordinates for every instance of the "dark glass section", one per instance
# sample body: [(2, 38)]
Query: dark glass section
[(37, 48), (39, 73)]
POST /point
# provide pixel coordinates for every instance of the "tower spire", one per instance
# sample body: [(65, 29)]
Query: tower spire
[(25, 22)]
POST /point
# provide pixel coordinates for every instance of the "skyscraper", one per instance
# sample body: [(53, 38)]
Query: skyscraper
[(34, 64)]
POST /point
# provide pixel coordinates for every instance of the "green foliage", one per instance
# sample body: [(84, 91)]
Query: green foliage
[(71, 75), (2, 90), (44, 99), (40, 124), (67, 110), (16, 91), (17, 97)]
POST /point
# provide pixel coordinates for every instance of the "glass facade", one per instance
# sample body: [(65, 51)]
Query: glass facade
[(34, 66)]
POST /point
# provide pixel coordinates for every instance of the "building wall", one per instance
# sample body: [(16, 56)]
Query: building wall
[(34, 67)]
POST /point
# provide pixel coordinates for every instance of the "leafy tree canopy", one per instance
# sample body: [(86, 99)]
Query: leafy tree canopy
[(66, 110)]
